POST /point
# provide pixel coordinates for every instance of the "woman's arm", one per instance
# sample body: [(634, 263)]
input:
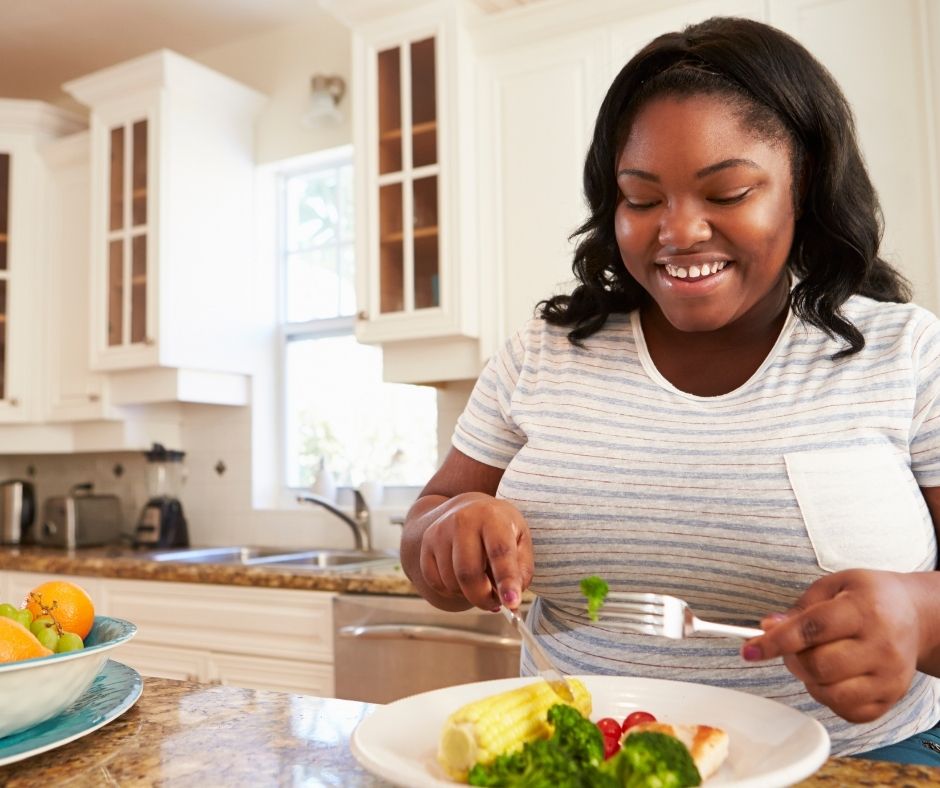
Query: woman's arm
[(463, 547), (926, 592)]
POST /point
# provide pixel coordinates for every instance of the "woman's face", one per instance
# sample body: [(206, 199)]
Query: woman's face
[(705, 219)]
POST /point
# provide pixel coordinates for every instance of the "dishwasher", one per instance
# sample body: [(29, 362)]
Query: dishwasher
[(389, 647)]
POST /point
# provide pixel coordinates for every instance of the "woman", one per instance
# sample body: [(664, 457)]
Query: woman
[(735, 406)]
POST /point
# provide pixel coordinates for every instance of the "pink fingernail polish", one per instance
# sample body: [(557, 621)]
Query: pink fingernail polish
[(510, 597), (776, 617), (752, 653), (496, 609)]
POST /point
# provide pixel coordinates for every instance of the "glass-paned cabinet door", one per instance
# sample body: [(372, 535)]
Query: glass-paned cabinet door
[(408, 172), (127, 234), (4, 266)]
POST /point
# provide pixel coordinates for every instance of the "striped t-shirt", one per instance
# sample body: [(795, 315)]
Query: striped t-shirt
[(622, 475)]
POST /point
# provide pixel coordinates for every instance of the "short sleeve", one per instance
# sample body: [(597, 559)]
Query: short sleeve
[(486, 431), (925, 424)]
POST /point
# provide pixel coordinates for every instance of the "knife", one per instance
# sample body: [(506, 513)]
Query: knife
[(543, 662)]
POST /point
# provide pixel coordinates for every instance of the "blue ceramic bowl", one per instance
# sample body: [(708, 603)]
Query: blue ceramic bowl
[(35, 690)]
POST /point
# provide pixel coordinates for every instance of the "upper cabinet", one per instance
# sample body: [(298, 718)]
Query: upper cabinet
[(416, 254), (172, 170), (24, 127)]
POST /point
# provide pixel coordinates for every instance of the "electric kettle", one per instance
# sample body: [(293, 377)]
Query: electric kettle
[(17, 511)]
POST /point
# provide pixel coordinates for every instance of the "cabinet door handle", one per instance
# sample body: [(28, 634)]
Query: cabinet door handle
[(14, 402), (362, 315), (94, 397), (461, 637)]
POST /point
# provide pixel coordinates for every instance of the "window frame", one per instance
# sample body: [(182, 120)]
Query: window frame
[(287, 331)]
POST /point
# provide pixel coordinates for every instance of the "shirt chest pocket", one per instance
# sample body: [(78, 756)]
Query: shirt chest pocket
[(862, 509)]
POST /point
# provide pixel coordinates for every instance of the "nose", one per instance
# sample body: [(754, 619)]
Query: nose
[(683, 225)]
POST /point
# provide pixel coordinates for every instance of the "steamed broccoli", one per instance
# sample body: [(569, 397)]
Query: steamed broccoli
[(574, 758), (595, 589), (648, 759), (569, 759)]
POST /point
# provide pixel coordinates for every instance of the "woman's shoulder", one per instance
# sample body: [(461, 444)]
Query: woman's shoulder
[(874, 318), (537, 333)]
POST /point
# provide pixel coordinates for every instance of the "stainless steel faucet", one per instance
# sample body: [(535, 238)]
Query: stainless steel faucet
[(361, 524)]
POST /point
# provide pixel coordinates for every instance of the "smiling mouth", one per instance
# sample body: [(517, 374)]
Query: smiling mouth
[(695, 271)]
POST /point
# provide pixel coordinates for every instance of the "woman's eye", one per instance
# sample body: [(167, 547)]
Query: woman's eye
[(640, 205), (730, 199)]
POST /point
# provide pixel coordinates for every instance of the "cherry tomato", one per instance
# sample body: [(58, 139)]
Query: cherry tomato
[(635, 719), (609, 727), (611, 745)]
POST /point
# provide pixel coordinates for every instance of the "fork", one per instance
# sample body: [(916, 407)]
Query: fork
[(662, 615), (543, 662)]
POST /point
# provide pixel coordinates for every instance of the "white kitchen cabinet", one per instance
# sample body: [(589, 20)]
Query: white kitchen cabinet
[(74, 391), (261, 638), (24, 126), (251, 637), (414, 156), (166, 663), (172, 172), (14, 586), (277, 675)]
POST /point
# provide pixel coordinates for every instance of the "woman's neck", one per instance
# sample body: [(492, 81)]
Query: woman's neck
[(710, 363)]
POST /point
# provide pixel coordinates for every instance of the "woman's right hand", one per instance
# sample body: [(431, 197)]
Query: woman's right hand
[(477, 548)]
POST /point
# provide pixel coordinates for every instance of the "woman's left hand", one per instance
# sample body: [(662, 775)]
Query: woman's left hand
[(852, 638)]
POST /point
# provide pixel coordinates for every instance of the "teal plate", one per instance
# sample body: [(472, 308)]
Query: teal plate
[(115, 689)]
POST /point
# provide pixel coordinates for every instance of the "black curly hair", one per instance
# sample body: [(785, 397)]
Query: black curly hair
[(783, 93)]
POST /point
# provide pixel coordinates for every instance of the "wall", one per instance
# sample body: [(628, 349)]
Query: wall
[(280, 64), (216, 494)]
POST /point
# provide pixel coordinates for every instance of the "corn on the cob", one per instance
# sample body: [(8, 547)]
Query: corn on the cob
[(483, 729)]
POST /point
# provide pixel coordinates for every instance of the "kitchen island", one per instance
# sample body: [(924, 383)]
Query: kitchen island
[(186, 734)]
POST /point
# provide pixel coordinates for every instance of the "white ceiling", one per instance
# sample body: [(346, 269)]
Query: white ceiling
[(47, 42)]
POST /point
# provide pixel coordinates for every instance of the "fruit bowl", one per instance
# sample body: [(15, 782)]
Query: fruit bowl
[(35, 690)]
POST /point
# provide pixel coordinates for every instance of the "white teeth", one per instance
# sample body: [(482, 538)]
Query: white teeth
[(695, 272)]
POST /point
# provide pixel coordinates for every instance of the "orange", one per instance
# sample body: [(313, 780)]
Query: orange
[(17, 642), (68, 603)]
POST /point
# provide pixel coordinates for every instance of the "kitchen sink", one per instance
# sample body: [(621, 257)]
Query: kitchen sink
[(315, 559), (338, 559)]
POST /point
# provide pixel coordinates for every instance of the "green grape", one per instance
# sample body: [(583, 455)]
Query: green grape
[(41, 624), (48, 637), (7, 610), (24, 617), (69, 641)]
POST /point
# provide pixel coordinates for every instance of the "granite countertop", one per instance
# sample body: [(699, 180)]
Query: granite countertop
[(130, 564), (184, 734)]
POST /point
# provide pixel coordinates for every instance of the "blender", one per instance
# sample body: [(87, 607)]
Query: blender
[(162, 523)]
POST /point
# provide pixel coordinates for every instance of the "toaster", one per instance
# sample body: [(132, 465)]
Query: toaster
[(79, 520)]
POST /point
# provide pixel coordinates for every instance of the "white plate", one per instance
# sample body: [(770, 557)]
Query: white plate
[(772, 745)]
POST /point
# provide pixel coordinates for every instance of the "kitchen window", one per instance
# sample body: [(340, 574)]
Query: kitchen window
[(336, 407)]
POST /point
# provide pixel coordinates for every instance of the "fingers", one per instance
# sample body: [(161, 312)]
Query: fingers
[(823, 614), (831, 663), (857, 699), (481, 551), (509, 556)]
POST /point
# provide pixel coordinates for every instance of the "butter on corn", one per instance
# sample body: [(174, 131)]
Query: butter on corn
[(486, 728)]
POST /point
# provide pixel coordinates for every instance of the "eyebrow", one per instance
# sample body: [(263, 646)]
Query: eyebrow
[(702, 173)]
